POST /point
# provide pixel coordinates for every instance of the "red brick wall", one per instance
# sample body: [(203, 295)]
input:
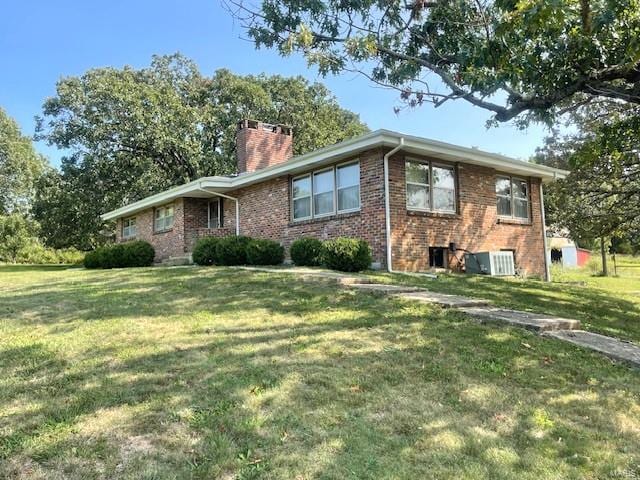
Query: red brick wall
[(265, 211), (475, 227), (167, 244), (258, 146)]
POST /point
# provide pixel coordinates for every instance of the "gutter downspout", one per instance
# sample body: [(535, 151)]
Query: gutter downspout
[(547, 269), (387, 209), (230, 198)]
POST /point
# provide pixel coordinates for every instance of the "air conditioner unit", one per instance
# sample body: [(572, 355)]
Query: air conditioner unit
[(490, 263)]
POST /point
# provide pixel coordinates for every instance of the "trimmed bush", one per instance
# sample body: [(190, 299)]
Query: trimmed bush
[(94, 259), (346, 254), (264, 252), (306, 252), (206, 251), (138, 254), (120, 255), (232, 250)]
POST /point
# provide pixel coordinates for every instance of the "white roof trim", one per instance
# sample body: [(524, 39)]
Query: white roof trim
[(379, 138)]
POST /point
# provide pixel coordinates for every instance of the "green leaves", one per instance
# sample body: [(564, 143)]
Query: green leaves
[(20, 167), (136, 132), (520, 59)]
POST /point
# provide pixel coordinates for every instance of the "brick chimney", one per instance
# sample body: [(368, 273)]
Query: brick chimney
[(260, 145)]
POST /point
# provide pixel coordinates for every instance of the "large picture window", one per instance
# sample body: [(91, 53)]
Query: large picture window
[(129, 229), (163, 219), (512, 197), (326, 192), (430, 187)]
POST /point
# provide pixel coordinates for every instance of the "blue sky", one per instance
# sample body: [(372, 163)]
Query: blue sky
[(42, 41)]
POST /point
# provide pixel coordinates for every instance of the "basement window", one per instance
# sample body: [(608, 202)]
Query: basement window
[(438, 257)]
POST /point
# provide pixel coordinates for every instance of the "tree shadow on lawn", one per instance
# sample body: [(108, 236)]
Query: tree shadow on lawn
[(597, 309), (381, 389)]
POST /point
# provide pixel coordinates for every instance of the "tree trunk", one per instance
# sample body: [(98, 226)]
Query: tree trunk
[(603, 252)]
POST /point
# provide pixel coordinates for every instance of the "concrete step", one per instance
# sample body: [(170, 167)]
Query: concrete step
[(611, 347), (443, 299), (383, 289), (532, 321), (176, 261), (313, 274)]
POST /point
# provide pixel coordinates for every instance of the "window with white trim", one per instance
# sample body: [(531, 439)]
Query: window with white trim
[(323, 193), (215, 213), (348, 181), (512, 197), (301, 197), (430, 187), (326, 192), (418, 190), (163, 218), (129, 229)]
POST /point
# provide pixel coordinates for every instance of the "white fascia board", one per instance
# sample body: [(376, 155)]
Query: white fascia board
[(479, 157), (315, 158), (167, 196)]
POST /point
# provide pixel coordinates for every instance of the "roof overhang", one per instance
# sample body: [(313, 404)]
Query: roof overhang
[(208, 186)]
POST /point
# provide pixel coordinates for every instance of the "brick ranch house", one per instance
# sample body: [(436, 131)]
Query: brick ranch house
[(409, 197)]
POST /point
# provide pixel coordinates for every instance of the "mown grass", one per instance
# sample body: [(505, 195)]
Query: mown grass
[(217, 373), (607, 305)]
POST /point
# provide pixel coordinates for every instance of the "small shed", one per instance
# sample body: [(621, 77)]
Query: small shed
[(564, 251)]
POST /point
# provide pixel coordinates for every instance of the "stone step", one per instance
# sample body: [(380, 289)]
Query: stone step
[(533, 321), (611, 347), (176, 261), (383, 289), (313, 274), (443, 299)]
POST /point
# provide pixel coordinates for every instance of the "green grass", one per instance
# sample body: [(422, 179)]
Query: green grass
[(607, 305), (166, 373)]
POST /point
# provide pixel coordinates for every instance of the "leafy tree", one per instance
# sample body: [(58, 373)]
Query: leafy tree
[(20, 166), (519, 59), (16, 233), (601, 196), (135, 132)]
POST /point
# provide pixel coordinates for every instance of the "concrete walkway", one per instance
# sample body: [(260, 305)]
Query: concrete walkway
[(565, 329), (611, 347), (529, 320)]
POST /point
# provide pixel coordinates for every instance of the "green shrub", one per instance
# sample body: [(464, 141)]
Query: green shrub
[(205, 251), (37, 253), (138, 254), (346, 254), (120, 255), (306, 252), (232, 250), (264, 252)]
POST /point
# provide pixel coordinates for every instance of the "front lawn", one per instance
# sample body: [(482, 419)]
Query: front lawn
[(191, 372), (607, 305)]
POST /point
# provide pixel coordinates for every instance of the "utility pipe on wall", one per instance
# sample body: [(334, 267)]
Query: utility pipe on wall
[(230, 198), (547, 270), (387, 209)]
